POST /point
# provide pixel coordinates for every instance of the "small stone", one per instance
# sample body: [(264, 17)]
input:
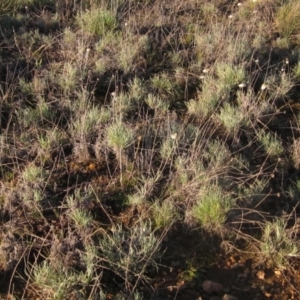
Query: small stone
[(277, 273), (212, 287), (268, 295), (229, 297), (260, 275)]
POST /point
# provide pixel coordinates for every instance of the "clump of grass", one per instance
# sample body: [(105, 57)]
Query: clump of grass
[(217, 154), (156, 103), (287, 18), (129, 252), (85, 124), (50, 140), (122, 105), (208, 98), (42, 114), (144, 190), (212, 208), (137, 89), (255, 189), (118, 138), (271, 143), (296, 71), (232, 118), (294, 191), (131, 49), (81, 218), (164, 214), (286, 84), (97, 21), (68, 80), (163, 85), (6, 6), (217, 42), (168, 148), (229, 75), (33, 174), (56, 283), (276, 245)]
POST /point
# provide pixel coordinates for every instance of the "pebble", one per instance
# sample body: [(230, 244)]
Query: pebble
[(268, 295), (212, 287), (277, 273), (229, 297), (260, 275)]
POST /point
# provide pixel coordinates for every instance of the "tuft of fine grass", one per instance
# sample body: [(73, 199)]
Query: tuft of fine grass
[(97, 21)]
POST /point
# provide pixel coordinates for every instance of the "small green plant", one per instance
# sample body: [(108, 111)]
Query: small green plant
[(31, 195), (253, 194), (42, 114), (33, 174), (296, 71), (56, 283), (6, 6), (208, 98), (217, 154), (69, 77), (136, 199), (284, 87), (294, 191), (163, 85), (130, 252), (212, 208), (271, 143), (163, 214), (85, 123), (130, 49), (81, 218), (229, 75), (209, 11), (137, 89), (276, 245), (287, 18), (168, 147), (162, 82), (97, 21), (122, 104), (231, 117), (156, 103), (144, 190), (105, 115), (51, 139), (118, 138)]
